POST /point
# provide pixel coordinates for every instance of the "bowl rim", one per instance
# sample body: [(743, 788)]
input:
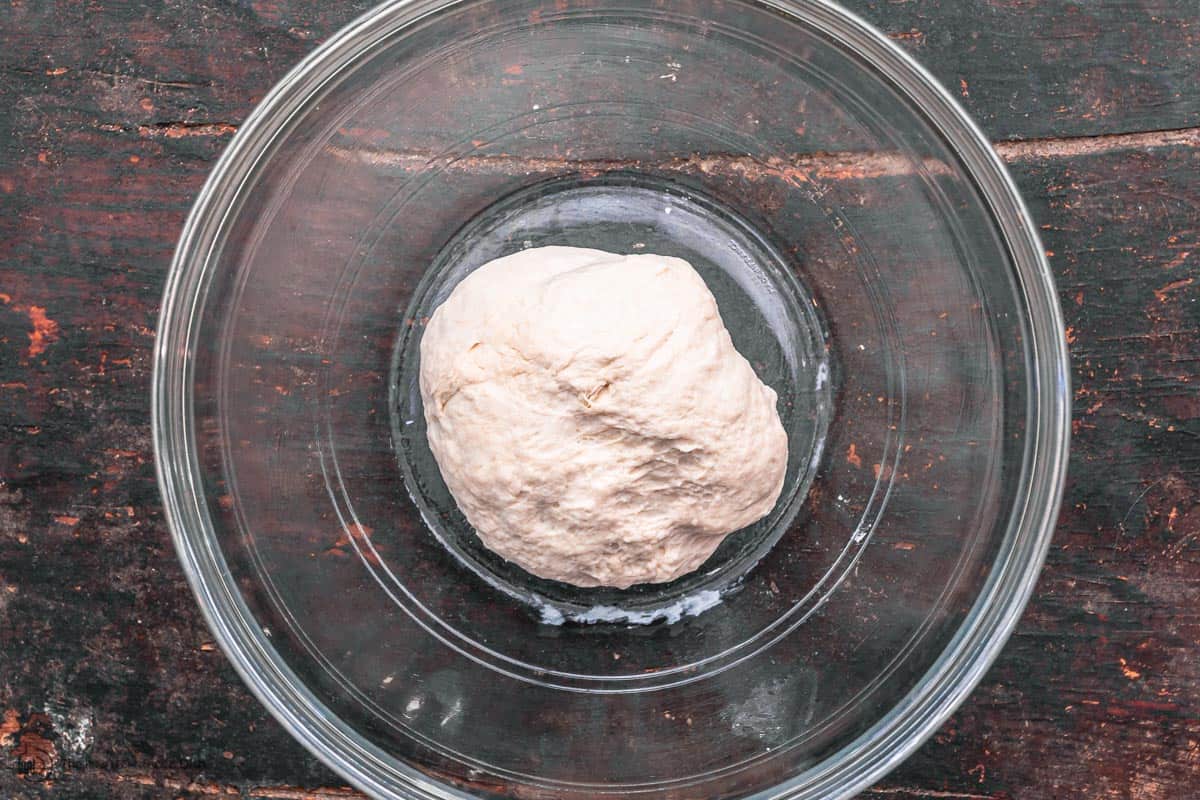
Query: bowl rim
[(858, 764)]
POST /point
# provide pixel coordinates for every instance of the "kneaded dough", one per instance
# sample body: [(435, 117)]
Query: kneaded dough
[(592, 418)]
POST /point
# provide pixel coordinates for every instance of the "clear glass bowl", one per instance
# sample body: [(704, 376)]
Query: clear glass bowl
[(870, 257)]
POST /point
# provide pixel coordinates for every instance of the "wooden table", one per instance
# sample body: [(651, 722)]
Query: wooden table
[(111, 115)]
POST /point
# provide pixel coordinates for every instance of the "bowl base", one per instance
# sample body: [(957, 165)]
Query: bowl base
[(767, 311)]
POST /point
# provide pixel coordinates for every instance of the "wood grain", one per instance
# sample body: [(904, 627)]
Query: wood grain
[(1026, 68), (111, 114)]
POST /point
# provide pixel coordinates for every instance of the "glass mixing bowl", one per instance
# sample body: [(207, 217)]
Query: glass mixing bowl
[(871, 259)]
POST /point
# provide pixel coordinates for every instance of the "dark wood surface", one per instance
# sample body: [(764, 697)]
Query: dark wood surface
[(112, 113)]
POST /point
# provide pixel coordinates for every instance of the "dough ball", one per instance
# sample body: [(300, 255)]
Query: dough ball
[(592, 418)]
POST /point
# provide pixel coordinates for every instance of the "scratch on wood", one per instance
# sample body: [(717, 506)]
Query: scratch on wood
[(794, 169), (1162, 293), (1138, 499), (117, 77), (915, 36), (45, 330), (198, 786), (179, 130), (180, 784), (853, 457), (917, 792), (1128, 671), (1067, 147), (292, 793)]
